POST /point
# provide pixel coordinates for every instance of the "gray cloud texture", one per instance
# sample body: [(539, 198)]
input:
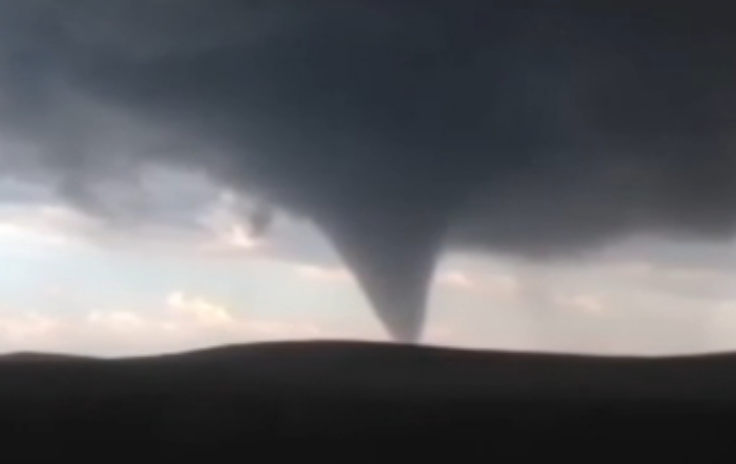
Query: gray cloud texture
[(398, 126)]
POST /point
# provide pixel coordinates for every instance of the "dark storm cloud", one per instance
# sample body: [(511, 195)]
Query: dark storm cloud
[(395, 125)]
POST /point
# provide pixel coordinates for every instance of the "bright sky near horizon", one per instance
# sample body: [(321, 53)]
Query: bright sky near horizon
[(67, 284)]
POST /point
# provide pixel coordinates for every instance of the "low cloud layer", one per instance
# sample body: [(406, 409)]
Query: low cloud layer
[(399, 128)]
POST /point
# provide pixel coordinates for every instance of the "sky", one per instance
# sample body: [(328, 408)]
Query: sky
[(569, 172), (70, 285)]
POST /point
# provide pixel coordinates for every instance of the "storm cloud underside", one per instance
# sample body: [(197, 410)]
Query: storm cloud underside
[(399, 127)]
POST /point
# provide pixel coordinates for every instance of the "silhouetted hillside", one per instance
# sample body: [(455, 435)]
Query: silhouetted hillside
[(230, 398)]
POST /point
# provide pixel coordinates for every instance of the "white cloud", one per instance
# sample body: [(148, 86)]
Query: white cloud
[(224, 219), (44, 224), (199, 309), (456, 280), (122, 321)]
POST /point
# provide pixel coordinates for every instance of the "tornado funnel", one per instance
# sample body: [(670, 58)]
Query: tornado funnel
[(393, 262)]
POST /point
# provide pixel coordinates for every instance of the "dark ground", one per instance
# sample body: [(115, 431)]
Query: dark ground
[(241, 401)]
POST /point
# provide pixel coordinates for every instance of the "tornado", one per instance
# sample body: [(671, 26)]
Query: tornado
[(393, 271), (392, 255)]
